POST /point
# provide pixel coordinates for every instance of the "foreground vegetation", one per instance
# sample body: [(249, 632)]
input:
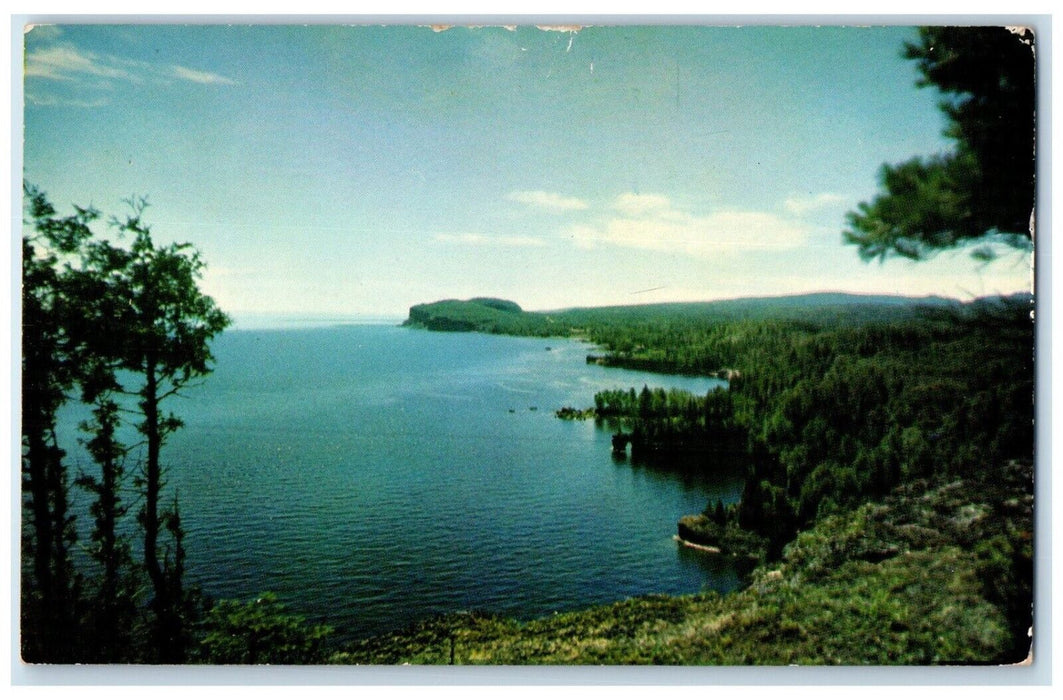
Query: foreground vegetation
[(122, 330), (888, 488), (914, 579)]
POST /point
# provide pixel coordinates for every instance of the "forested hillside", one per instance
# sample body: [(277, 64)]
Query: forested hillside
[(837, 407), (612, 324)]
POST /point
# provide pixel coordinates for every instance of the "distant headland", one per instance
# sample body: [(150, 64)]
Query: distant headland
[(502, 316)]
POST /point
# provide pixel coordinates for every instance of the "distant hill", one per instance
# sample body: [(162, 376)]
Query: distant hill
[(484, 314), (499, 304), (490, 315)]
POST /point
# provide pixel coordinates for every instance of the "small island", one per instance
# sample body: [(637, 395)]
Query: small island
[(570, 413)]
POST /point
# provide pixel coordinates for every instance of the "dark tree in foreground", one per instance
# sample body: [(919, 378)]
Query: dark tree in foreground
[(112, 613), (49, 372), (123, 328), (166, 327), (985, 187), (115, 322)]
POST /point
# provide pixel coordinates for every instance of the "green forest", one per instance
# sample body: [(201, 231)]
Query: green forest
[(887, 514), (854, 408)]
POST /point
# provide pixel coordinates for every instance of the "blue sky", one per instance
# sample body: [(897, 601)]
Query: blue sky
[(330, 170)]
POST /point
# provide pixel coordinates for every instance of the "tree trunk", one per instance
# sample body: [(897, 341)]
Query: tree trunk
[(166, 623), (36, 642), (51, 605)]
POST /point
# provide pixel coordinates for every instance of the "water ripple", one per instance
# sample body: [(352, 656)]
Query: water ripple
[(372, 476)]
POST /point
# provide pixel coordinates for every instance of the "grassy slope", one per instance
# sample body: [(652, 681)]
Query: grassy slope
[(897, 582)]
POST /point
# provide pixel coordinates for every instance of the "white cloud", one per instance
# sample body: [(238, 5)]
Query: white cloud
[(633, 204), (802, 204), (551, 201), (477, 239), (51, 101), (649, 222), (203, 77), (65, 62), (583, 236)]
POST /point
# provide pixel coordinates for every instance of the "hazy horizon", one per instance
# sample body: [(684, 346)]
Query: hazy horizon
[(267, 320), (357, 171)]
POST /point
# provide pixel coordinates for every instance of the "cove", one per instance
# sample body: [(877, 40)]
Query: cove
[(372, 476)]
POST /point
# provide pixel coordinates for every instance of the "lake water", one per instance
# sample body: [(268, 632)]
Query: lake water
[(372, 476)]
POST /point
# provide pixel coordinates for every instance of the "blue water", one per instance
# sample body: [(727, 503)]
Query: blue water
[(372, 476)]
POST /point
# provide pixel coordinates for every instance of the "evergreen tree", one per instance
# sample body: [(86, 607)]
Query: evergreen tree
[(50, 248), (166, 326), (986, 185), (94, 311), (112, 614)]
